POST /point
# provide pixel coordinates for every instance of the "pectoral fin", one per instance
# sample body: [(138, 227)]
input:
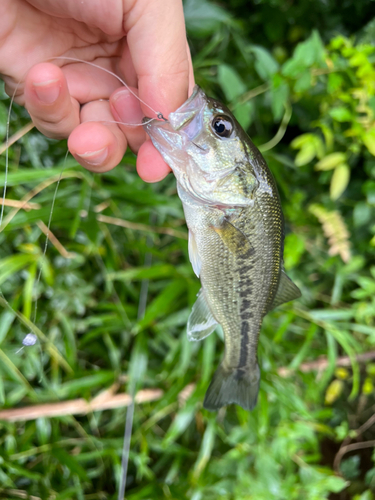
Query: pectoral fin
[(201, 321), (193, 254), (287, 291), (234, 239)]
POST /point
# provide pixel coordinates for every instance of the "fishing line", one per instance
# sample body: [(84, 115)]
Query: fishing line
[(157, 113), (132, 385), (7, 153), (31, 338), (123, 123), (47, 236)]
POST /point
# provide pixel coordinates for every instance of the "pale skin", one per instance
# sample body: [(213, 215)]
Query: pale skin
[(142, 41)]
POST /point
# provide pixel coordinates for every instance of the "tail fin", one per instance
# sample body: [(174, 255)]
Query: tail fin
[(239, 386)]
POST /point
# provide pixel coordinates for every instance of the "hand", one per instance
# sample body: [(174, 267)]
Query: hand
[(142, 41)]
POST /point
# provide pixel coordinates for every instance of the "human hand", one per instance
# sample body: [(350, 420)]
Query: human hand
[(142, 41)]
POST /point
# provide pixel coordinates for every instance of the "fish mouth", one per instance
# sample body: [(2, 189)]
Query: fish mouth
[(183, 125), (188, 110), (162, 135)]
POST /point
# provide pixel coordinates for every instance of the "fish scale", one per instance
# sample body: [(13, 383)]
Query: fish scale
[(236, 233)]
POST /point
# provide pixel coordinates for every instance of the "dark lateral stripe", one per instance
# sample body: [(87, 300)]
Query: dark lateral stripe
[(245, 269), (244, 343), (246, 315), (245, 305)]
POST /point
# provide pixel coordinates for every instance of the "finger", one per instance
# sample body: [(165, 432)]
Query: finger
[(157, 42), (150, 165), (126, 108), (97, 144), (54, 112), (125, 65), (89, 83), (191, 71)]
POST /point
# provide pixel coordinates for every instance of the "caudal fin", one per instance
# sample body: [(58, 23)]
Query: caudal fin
[(239, 386)]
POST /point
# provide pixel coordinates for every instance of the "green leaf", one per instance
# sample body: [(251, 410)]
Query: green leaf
[(303, 82), (369, 140), (70, 462), (14, 263), (280, 97), (206, 449), (335, 81), (265, 64), (341, 114), (361, 214), (163, 303), (294, 247), (302, 140), (339, 181), (203, 18), (331, 161), (3, 120), (306, 155), (230, 82), (243, 113), (311, 51), (334, 391)]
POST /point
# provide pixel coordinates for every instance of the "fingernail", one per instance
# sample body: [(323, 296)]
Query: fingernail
[(48, 91), (121, 94), (94, 157), (127, 107)]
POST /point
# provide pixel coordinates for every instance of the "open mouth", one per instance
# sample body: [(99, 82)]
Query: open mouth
[(185, 114)]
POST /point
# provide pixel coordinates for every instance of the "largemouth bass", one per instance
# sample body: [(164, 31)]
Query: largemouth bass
[(236, 234)]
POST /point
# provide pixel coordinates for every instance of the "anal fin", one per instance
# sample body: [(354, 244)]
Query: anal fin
[(201, 321)]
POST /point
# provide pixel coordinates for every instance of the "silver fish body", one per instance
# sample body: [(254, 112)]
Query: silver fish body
[(236, 234)]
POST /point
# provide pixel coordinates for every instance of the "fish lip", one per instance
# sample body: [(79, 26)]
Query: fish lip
[(167, 135), (188, 110), (164, 138)]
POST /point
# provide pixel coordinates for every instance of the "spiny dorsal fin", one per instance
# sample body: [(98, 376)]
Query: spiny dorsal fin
[(287, 291), (201, 321)]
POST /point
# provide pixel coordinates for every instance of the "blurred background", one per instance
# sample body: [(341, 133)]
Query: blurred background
[(116, 286)]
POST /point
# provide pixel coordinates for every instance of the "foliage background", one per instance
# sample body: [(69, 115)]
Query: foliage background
[(301, 78)]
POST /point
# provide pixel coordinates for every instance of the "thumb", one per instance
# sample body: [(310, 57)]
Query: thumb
[(156, 39)]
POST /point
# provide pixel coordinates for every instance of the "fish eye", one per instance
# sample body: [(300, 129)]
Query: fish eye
[(222, 126)]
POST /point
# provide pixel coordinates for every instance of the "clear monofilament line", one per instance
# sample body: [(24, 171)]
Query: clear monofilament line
[(7, 155), (132, 385), (47, 239), (158, 114), (122, 123)]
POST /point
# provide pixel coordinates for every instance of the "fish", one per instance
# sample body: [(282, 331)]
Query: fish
[(236, 237)]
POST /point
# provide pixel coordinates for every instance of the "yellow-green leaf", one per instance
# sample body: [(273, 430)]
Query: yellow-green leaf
[(306, 154), (368, 386), (339, 181), (302, 140), (334, 391), (330, 161), (369, 140), (342, 373)]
